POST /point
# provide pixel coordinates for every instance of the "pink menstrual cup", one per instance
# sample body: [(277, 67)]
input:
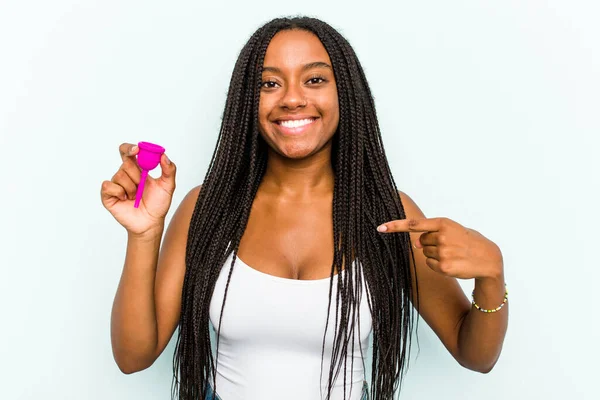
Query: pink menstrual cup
[(148, 158)]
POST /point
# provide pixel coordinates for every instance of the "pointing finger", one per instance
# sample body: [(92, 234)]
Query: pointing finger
[(412, 225)]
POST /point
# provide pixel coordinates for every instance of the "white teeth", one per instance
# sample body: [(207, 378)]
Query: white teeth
[(296, 123)]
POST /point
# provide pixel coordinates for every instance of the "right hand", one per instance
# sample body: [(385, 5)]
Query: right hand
[(118, 194)]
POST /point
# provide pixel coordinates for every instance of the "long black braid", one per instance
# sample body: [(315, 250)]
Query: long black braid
[(364, 196)]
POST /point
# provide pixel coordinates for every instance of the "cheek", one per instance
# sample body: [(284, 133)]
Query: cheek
[(330, 101), (332, 108), (263, 113), (336, 112)]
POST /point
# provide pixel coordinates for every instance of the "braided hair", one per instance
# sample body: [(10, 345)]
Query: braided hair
[(364, 196)]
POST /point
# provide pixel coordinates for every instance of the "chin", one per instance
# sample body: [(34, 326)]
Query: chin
[(296, 152)]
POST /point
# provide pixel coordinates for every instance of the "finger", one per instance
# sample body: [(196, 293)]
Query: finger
[(128, 151), (133, 170), (168, 172), (415, 238), (431, 252), (411, 225), (110, 189), (122, 179), (430, 239), (433, 264)]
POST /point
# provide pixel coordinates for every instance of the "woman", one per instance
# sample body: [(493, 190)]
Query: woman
[(298, 185)]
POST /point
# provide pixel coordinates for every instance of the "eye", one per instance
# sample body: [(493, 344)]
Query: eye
[(315, 79), (266, 84)]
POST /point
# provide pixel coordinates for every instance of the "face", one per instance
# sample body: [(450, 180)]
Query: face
[(298, 108)]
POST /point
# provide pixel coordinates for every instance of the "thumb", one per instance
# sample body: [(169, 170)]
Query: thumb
[(418, 244), (168, 171)]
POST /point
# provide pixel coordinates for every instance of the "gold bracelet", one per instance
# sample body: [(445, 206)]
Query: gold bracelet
[(492, 310)]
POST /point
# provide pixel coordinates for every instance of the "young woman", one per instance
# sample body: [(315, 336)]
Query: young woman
[(300, 230)]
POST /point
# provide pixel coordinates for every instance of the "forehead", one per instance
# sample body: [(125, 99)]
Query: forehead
[(294, 48)]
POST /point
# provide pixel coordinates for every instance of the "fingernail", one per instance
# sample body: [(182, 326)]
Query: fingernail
[(167, 160), (133, 149), (382, 228)]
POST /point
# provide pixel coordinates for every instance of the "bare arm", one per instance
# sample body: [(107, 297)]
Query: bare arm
[(481, 335), (133, 319), (472, 337), (147, 304)]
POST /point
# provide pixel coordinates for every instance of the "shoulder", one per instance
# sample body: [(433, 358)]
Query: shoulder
[(193, 194), (411, 209), (189, 201), (180, 222)]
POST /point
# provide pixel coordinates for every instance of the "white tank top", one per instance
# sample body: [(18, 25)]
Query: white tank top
[(272, 336)]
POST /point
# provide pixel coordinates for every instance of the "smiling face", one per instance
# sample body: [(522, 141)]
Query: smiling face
[(298, 108)]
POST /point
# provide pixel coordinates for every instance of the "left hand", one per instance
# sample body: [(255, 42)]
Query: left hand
[(452, 249)]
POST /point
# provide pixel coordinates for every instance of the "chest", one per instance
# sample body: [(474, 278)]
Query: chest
[(290, 240), (267, 312)]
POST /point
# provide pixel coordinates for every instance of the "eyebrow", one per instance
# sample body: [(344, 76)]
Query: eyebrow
[(316, 64)]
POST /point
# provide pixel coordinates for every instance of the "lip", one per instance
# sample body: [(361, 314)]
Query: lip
[(294, 131), (294, 117)]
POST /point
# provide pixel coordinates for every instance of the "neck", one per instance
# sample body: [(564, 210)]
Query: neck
[(299, 179)]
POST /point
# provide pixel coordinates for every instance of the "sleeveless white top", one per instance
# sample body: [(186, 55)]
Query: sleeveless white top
[(272, 336)]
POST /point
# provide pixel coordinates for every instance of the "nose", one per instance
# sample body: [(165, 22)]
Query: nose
[(293, 97)]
